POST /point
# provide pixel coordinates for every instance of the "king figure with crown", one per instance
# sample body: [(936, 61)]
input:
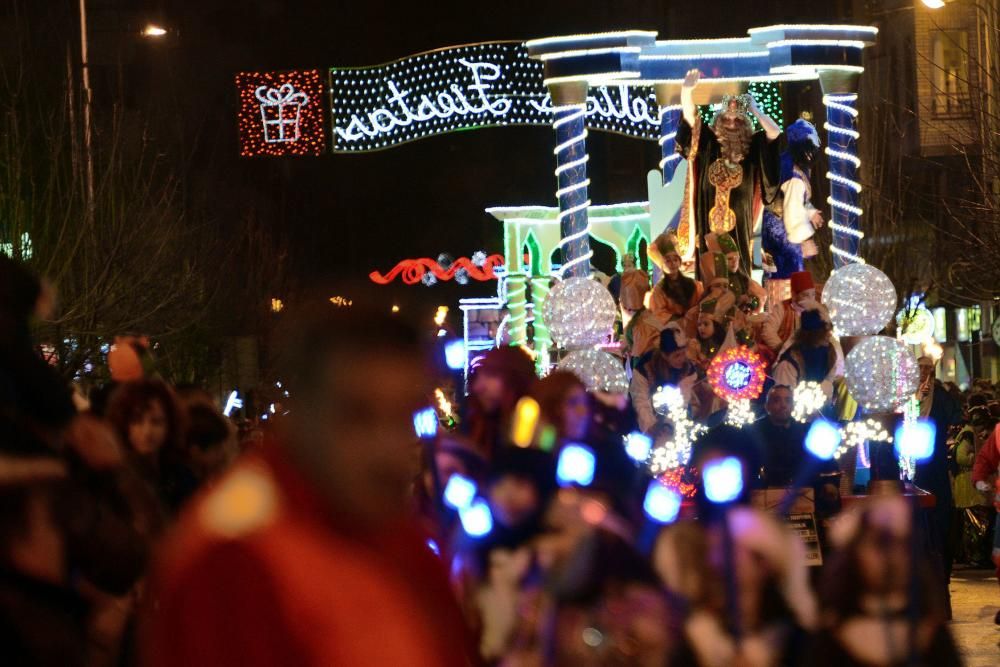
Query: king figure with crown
[(733, 172)]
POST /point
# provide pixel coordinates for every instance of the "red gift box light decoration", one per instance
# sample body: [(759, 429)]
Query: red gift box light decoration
[(281, 113)]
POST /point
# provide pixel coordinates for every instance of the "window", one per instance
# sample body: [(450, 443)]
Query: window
[(950, 73)]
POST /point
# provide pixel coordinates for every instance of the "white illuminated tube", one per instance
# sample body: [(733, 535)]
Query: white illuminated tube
[(843, 253), (854, 185), (666, 137), (817, 42), (577, 53), (669, 158), (580, 110), (854, 134)]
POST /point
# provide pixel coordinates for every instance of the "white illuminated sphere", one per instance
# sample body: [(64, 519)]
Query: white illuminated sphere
[(861, 299), (882, 373), (597, 369), (579, 312)]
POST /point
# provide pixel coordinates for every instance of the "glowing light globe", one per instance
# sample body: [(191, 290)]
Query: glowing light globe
[(579, 312), (861, 300), (881, 373), (597, 369)]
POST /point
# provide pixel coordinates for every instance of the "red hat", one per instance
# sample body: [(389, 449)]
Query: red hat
[(801, 281)]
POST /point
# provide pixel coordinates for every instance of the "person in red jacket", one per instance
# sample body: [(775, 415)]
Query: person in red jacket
[(984, 477), (305, 553)]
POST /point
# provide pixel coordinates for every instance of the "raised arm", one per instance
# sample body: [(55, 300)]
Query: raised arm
[(688, 107), (771, 128)]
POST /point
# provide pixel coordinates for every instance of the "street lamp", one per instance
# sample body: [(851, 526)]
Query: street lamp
[(933, 4), (153, 30)]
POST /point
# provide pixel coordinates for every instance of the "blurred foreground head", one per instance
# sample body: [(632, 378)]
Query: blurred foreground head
[(356, 376)]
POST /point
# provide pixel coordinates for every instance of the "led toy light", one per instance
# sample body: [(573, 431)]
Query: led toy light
[(477, 520), (915, 439), (576, 465), (661, 503), (425, 423), (526, 414), (459, 492), (723, 479), (454, 354), (823, 439)]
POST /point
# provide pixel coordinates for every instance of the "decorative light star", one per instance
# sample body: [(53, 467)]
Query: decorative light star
[(736, 374)]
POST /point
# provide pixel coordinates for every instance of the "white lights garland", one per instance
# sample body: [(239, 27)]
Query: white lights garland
[(856, 434), (809, 399), (844, 211), (740, 413), (668, 400)]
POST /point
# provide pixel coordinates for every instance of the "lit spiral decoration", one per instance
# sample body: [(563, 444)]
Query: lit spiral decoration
[(571, 175), (844, 187)]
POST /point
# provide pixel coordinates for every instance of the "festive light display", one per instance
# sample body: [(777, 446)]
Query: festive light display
[(281, 113), (476, 519), (425, 423), (881, 373), (597, 369), (341, 301), (638, 446), (466, 87), (809, 398), (740, 413), (580, 312), (675, 479), (277, 305), (414, 270), (542, 338), (517, 307), (737, 373), (444, 406), (233, 402), (856, 434), (861, 300), (459, 492), (768, 97)]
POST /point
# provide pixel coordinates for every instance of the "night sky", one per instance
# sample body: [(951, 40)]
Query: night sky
[(342, 216)]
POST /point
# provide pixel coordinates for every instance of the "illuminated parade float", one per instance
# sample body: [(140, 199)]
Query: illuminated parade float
[(699, 199)]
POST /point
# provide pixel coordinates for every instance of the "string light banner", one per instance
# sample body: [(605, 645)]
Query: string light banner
[(463, 88), (281, 113)]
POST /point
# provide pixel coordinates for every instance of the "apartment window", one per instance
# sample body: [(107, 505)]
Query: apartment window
[(950, 72)]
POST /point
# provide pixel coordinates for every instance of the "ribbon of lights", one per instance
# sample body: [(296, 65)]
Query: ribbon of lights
[(414, 270), (542, 338), (517, 306), (571, 176), (845, 190), (737, 373)]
